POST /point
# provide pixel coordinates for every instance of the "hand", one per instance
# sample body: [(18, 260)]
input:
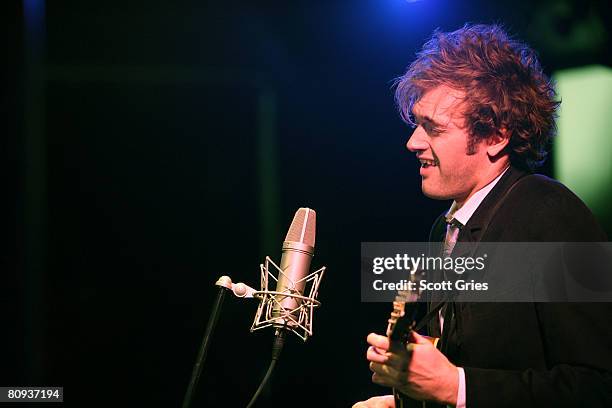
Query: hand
[(419, 370), (386, 401)]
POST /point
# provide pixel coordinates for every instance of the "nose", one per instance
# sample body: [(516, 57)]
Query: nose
[(418, 140)]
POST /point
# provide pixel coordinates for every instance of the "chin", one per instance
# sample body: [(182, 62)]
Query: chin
[(435, 194)]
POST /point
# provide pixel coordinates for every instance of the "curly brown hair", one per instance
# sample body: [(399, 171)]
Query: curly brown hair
[(504, 85)]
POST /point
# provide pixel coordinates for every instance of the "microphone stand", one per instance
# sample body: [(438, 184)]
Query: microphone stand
[(224, 286), (301, 324)]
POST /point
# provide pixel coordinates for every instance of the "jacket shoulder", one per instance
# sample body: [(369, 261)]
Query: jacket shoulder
[(543, 209)]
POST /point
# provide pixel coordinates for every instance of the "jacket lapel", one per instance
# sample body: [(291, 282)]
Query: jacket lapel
[(471, 232)]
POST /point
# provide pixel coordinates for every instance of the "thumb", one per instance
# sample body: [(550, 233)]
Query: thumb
[(418, 339)]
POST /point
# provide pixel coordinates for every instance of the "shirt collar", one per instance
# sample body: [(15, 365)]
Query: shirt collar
[(463, 214)]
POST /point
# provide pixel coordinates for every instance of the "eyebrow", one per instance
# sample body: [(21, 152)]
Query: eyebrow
[(421, 119)]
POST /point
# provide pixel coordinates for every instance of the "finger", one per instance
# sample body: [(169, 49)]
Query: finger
[(386, 371), (378, 350), (386, 375), (398, 361), (385, 401), (375, 356), (410, 347), (418, 339), (378, 341), (378, 368), (382, 380)]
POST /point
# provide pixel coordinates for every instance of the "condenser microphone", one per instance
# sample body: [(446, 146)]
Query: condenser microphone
[(289, 308), (298, 250)]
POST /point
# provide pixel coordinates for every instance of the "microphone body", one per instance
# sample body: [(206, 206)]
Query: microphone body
[(298, 250)]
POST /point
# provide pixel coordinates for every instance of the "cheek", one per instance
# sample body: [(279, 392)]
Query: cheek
[(457, 171)]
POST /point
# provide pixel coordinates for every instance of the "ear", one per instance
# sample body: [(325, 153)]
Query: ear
[(497, 142)]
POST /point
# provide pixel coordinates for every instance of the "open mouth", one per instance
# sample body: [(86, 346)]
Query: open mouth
[(428, 163)]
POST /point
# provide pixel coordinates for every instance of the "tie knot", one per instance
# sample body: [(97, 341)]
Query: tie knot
[(453, 222)]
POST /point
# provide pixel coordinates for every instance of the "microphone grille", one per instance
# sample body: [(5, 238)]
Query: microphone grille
[(303, 227)]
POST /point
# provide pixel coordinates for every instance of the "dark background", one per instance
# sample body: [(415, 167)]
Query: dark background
[(152, 147)]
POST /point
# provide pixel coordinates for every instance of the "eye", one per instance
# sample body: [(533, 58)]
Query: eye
[(431, 130)]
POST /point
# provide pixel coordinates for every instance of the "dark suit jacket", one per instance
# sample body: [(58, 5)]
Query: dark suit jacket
[(531, 354)]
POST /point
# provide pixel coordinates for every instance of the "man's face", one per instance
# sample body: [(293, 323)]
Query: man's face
[(441, 144)]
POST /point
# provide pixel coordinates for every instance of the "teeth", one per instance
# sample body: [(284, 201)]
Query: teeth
[(427, 163)]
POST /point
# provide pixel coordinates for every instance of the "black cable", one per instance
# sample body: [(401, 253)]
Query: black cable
[(277, 347)]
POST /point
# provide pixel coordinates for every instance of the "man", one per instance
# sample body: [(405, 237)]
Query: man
[(484, 115)]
